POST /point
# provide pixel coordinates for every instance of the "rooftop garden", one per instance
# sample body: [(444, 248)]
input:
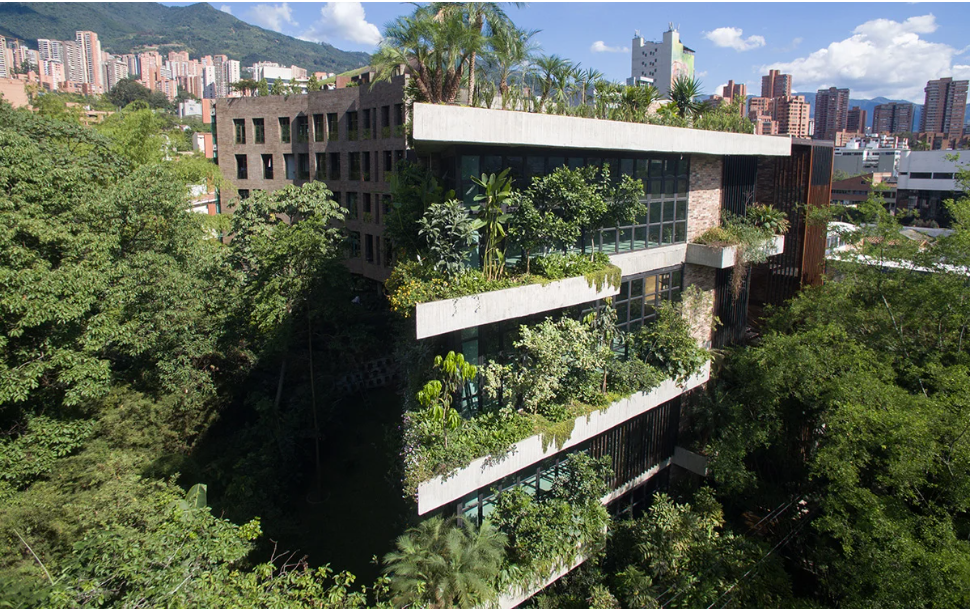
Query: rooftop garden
[(454, 49), (439, 240), (556, 371)]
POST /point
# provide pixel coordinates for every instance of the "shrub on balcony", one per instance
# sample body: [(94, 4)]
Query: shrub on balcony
[(448, 232)]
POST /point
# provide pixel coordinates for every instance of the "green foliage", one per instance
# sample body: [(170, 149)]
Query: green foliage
[(768, 218), (136, 135), (438, 394), (413, 190), (440, 564), (492, 199), (34, 452), (449, 233), (684, 94), (200, 29), (725, 117), (752, 234), (551, 530), (668, 344), (129, 90)]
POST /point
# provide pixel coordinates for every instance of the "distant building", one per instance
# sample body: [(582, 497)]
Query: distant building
[(869, 155), (775, 84), (792, 114), (734, 91), (663, 62), (894, 117), (14, 92), (91, 59), (944, 107), (5, 61), (856, 120), (854, 190), (831, 112)]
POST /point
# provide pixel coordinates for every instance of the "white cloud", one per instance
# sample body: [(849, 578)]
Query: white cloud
[(225, 8), (600, 47), (272, 16), (731, 37), (700, 74), (794, 45), (343, 21), (882, 57)]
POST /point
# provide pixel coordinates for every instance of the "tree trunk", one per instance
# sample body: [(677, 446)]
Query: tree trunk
[(471, 76)]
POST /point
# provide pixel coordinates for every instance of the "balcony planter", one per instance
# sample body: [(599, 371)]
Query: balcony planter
[(481, 472), (723, 257), (442, 316), (385, 132)]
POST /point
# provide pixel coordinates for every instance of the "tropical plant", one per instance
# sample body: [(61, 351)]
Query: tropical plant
[(668, 343), (436, 46), (446, 563), (449, 233), (684, 94), (768, 218), (492, 199), (438, 395), (549, 68), (511, 52)]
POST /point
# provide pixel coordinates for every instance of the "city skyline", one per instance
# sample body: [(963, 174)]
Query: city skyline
[(874, 50)]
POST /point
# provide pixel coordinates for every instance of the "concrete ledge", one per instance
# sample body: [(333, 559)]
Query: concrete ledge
[(514, 598), (690, 461), (724, 257), (442, 124), (484, 471), (441, 316)]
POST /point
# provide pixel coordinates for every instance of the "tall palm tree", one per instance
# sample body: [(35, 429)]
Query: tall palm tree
[(585, 79), (511, 51), (636, 101), (435, 46), (563, 80), (684, 93), (549, 66), (444, 565)]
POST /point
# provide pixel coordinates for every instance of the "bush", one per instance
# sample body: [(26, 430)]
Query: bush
[(668, 345)]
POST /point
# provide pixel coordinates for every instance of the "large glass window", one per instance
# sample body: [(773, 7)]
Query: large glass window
[(259, 131), (640, 295), (332, 125), (321, 158), (242, 167), (319, 132), (240, 125), (302, 129), (285, 129), (665, 185), (303, 166)]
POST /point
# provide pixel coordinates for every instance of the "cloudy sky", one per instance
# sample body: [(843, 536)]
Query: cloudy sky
[(874, 49)]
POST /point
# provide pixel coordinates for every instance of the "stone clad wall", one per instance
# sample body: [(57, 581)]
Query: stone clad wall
[(704, 200)]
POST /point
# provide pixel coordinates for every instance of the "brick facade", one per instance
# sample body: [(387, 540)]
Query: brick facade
[(380, 119), (704, 202), (702, 323)]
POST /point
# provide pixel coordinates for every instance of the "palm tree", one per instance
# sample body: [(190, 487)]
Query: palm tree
[(586, 78), (511, 51), (549, 66), (636, 101), (446, 563), (434, 46), (563, 79), (684, 93), (484, 18)]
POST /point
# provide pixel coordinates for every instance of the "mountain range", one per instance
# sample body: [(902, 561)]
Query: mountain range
[(199, 29)]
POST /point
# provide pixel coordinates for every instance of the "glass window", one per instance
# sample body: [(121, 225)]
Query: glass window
[(365, 166), (354, 244), (290, 166), (352, 205), (332, 125), (352, 126), (321, 159), (285, 129), (303, 167), (302, 129), (354, 158), (319, 132), (369, 248), (240, 126), (259, 131), (242, 167), (267, 166)]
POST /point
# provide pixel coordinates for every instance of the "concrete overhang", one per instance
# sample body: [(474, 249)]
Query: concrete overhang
[(437, 125)]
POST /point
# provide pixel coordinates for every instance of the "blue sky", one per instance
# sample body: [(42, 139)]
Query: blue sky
[(874, 49)]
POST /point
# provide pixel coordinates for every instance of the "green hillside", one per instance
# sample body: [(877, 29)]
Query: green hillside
[(199, 29)]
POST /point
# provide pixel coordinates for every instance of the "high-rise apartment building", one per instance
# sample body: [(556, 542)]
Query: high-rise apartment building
[(791, 113), (91, 49), (831, 112), (944, 107), (733, 91), (662, 62), (50, 50), (855, 121), (5, 62), (74, 62), (893, 117), (776, 84)]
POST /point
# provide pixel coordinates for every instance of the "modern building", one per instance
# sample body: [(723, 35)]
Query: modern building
[(856, 120), (944, 107), (91, 54), (352, 138), (831, 112), (854, 190), (776, 84), (893, 117), (870, 155), (792, 114), (662, 62), (6, 63), (927, 178)]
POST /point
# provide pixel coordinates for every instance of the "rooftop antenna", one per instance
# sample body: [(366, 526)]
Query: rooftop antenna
[(636, 33)]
